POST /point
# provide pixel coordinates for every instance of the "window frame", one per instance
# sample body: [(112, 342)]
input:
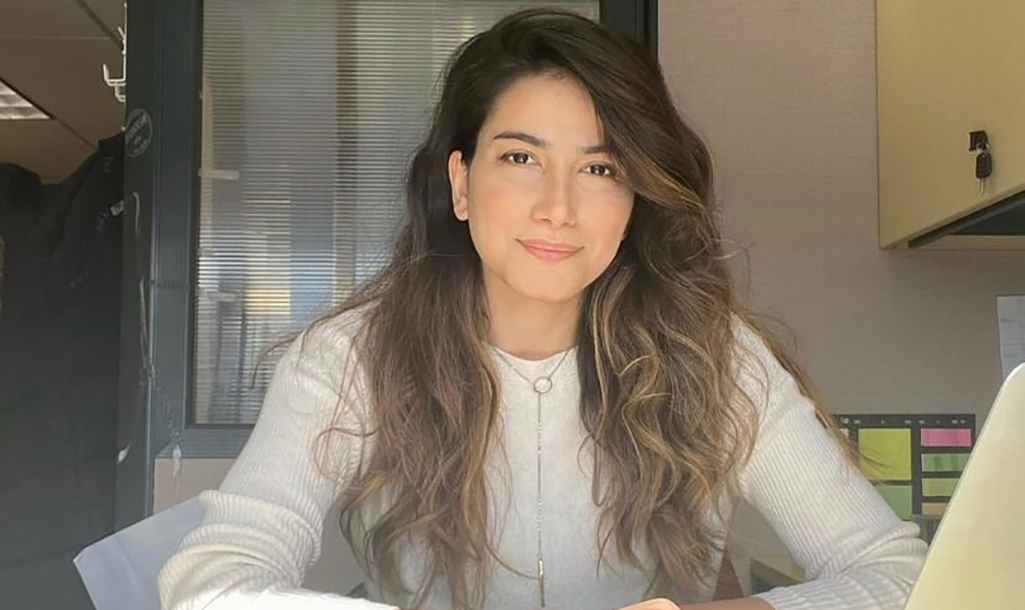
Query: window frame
[(160, 243)]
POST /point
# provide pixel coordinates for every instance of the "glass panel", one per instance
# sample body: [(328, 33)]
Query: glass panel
[(311, 112)]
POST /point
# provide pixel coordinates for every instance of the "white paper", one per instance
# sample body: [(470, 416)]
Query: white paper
[(1011, 314), (120, 571)]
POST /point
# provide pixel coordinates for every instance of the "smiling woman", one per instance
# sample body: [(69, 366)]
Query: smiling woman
[(553, 361)]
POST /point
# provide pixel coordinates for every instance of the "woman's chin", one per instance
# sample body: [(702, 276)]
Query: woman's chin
[(553, 295)]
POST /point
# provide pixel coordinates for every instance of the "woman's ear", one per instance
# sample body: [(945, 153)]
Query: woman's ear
[(458, 177)]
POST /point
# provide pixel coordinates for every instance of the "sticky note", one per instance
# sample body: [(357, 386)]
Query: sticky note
[(934, 508), (944, 462), (898, 497), (938, 487), (890, 449), (946, 437)]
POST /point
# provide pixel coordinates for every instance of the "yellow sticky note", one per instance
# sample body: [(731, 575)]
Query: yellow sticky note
[(886, 453), (938, 487)]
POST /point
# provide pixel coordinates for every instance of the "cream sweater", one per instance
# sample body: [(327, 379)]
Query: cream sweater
[(262, 528)]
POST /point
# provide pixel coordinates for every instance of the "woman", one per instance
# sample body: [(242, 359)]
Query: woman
[(550, 397)]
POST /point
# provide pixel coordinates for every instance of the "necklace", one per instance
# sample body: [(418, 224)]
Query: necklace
[(541, 386)]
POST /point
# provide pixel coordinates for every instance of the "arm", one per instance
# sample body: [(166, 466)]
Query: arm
[(855, 551), (750, 603), (262, 528)]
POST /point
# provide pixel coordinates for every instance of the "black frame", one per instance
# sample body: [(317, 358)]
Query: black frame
[(638, 19), (161, 236), (159, 243)]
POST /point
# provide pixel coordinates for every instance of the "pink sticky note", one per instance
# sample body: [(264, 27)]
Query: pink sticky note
[(946, 437)]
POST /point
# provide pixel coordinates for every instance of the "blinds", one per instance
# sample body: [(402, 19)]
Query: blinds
[(311, 112)]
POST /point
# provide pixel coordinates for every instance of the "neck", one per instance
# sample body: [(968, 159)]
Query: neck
[(527, 328)]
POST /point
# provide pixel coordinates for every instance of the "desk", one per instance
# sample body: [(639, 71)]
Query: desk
[(769, 572)]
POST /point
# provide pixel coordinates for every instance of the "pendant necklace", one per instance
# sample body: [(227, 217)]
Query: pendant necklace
[(541, 386)]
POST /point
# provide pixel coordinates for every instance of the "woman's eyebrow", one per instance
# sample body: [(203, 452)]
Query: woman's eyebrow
[(542, 143)]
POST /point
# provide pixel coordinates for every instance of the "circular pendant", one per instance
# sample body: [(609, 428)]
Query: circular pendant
[(542, 385)]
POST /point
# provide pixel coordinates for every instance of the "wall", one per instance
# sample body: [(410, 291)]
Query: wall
[(784, 93)]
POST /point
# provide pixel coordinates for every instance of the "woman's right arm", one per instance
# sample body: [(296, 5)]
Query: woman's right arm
[(262, 528)]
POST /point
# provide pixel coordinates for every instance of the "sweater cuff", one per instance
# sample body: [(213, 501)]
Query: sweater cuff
[(278, 599), (837, 593)]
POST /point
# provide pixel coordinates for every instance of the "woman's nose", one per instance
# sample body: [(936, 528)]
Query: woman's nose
[(556, 205)]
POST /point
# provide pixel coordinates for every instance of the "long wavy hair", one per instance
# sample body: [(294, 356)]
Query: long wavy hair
[(660, 400)]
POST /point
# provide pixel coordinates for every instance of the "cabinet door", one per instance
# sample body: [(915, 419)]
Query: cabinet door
[(945, 68)]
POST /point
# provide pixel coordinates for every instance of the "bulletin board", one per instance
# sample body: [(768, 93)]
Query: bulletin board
[(914, 461)]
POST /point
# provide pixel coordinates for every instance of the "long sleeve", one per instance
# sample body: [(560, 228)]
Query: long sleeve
[(856, 553), (262, 528)]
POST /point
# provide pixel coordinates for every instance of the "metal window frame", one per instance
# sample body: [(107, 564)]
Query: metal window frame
[(161, 236)]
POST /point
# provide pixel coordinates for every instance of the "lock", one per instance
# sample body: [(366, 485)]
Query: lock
[(983, 165), (978, 140)]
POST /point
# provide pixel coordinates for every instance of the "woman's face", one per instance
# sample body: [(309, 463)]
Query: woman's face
[(547, 208)]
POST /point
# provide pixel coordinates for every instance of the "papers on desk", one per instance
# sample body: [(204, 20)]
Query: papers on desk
[(120, 571)]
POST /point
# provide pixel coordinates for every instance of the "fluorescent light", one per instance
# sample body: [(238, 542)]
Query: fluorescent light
[(13, 106)]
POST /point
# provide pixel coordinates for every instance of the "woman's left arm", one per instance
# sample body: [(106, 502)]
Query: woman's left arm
[(856, 553)]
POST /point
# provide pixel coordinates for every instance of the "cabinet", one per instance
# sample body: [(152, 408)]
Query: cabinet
[(946, 68)]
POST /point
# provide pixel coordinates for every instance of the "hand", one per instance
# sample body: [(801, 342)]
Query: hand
[(659, 603)]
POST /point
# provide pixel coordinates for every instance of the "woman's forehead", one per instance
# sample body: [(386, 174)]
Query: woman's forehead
[(556, 110)]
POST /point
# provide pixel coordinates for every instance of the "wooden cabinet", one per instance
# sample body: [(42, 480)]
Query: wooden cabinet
[(946, 68)]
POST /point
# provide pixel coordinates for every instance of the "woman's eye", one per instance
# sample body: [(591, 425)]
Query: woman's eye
[(601, 170), (518, 158)]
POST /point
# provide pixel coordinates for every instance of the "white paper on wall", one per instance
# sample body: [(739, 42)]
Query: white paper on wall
[(1011, 314)]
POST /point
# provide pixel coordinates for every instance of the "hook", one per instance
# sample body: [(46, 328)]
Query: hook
[(118, 84)]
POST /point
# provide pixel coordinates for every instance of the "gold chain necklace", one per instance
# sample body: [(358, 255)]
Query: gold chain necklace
[(541, 386)]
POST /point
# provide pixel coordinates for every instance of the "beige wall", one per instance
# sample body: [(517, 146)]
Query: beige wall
[(784, 93)]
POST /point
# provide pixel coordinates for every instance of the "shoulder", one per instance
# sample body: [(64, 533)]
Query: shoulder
[(767, 385), (322, 357), (755, 367), (330, 339)]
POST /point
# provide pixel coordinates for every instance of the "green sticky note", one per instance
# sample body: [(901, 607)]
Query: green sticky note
[(886, 453), (898, 497), (938, 487), (944, 462)]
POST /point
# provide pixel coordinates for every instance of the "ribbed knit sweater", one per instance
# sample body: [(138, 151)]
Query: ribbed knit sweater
[(262, 528)]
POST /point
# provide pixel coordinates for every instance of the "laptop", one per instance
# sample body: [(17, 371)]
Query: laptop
[(977, 558)]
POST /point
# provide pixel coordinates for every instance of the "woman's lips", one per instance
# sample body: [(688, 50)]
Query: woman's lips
[(548, 251)]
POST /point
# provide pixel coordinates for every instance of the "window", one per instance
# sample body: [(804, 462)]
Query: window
[(310, 114)]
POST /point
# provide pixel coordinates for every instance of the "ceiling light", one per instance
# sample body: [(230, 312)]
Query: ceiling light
[(13, 106)]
